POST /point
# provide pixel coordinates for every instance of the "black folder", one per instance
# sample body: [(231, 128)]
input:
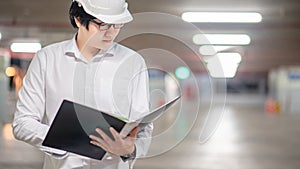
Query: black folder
[(74, 123)]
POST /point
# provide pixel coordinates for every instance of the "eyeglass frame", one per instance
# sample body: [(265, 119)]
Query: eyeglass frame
[(101, 24)]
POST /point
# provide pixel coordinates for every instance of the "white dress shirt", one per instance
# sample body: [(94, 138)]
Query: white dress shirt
[(115, 81)]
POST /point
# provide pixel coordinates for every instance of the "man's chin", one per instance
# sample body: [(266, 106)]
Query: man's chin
[(104, 46)]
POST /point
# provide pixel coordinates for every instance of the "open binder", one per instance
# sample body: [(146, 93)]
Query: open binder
[(74, 123)]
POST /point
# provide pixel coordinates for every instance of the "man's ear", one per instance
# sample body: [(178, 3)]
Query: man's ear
[(77, 22)]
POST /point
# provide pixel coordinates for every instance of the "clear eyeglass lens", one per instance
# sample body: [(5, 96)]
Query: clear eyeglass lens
[(107, 26), (103, 26)]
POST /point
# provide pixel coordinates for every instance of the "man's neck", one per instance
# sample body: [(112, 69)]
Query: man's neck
[(87, 51)]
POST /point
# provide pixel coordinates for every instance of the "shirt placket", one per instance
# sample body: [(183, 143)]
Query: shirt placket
[(89, 98)]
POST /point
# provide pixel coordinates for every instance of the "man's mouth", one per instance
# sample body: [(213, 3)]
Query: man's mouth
[(108, 41)]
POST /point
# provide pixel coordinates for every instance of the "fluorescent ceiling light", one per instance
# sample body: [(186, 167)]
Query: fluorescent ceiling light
[(222, 73), (226, 57), (223, 65), (0, 36), (222, 17), (28, 47), (221, 39), (212, 50)]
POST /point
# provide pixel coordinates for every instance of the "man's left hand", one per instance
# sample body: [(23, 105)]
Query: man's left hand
[(119, 146)]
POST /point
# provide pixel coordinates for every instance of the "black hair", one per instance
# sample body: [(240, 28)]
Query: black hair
[(78, 12)]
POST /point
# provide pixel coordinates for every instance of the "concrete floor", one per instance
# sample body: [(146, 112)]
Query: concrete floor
[(246, 138)]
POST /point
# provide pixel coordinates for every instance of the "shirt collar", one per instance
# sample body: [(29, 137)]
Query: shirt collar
[(73, 51)]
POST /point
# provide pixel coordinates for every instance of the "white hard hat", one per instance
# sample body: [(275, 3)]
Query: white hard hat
[(108, 11)]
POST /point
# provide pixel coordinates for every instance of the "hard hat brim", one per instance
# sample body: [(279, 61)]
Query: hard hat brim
[(125, 17)]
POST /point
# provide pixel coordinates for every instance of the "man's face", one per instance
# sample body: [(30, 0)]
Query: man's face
[(100, 39)]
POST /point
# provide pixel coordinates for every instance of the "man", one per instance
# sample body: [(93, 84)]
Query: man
[(93, 70)]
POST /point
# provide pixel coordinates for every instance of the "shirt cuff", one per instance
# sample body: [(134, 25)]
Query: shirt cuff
[(56, 153), (131, 156)]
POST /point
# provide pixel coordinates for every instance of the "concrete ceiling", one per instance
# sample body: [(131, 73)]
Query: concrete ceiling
[(275, 41)]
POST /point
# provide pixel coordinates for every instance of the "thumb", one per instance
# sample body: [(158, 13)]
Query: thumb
[(134, 132)]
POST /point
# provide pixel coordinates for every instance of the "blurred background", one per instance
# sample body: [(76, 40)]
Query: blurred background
[(236, 64)]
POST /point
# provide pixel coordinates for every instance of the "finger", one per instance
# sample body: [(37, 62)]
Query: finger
[(95, 138), (116, 135), (98, 139), (99, 142), (99, 145), (134, 132), (106, 138)]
